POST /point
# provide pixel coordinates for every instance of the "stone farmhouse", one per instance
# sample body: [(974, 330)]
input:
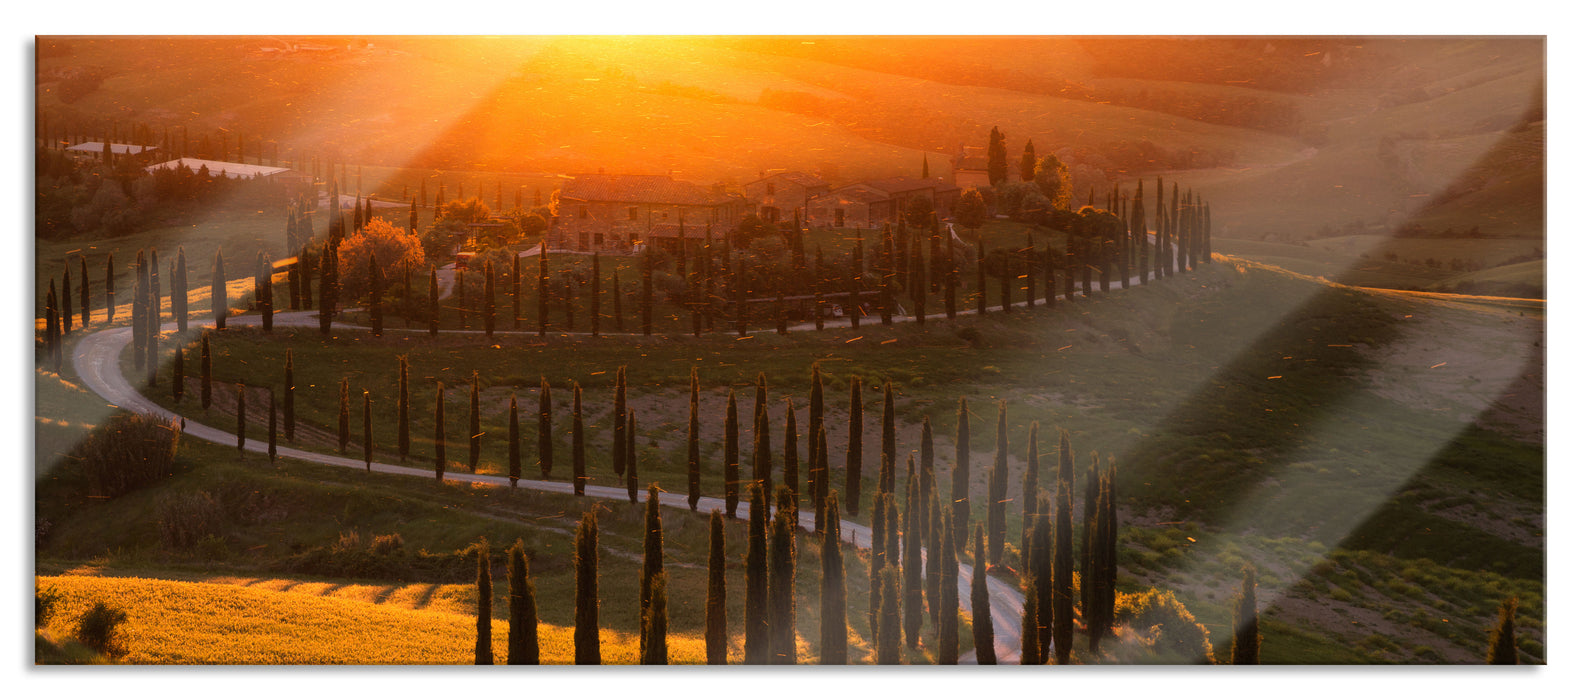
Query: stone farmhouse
[(615, 213), (776, 197), (873, 203)]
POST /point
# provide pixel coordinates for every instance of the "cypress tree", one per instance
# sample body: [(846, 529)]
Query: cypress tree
[(266, 297), (934, 575), (513, 444), (982, 617), (65, 302), (998, 482), (762, 457), (820, 473), (656, 625), (433, 302), (878, 552), (887, 644), (344, 416), (217, 300), (474, 428), (439, 431), (815, 421), (271, 425), (522, 641), (732, 457), (631, 456), (586, 633), (832, 589), (1245, 639), (653, 565), (782, 580), (1030, 485), (1030, 608), (546, 442), (854, 449), (205, 374), (329, 286), (714, 630), (694, 473), (949, 591), (615, 300), (1041, 570), (1502, 639), (619, 418), (403, 410), (87, 301), (792, 468), (959, 472), (153, 290), (647, 302), (1063, 563), (543, 290), (1092, 539), (579, 462), (368, 430), (483, 652), (241, 418), (912, 556), (516, 292), (109, 290), (756, 629), (887, 442)]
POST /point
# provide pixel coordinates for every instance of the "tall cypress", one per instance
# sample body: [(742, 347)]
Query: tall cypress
[(961, 508), (516, 292), (912, 557), (579, 460), (344, 417), (483, 651), (1041, 557), (585, 636), (1092, 538), (714, 624), (653, 565), (815, 421), (543, 290), (272, 425), (756, 629), (513, 444), (619, 419), (656, 624), (878, 552), (1030, 485), (982, 616), (762, 465), (65, 301), (887, 441), (933, 574), (887, 644), (782, 580), (631, 456), (403, 410), (241, 418), (854, 449), (832, 589), (87, 301), (1502, 639), (1063, 563), (998, 482), (694, 467), (820, 472), (439, 431), (732, 457), (1245, 639), (217, 301), (949, 592), (546, 438), (1030, 608), (615, 300), (522, 641), (368, 430), (792, 473), (109, 288), (474, 428)]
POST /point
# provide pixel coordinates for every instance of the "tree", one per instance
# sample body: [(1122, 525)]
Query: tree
[(997, 162), (1029, 162), (1040, 558), (815, 423), (271, 409), (1053, 181), (403, 410), (982, 617), (791, 474), (344, 416), (756, 628), (585, 636), (619, 419), (694, 465), (714, 625), (971, 209), (854, 448), (483, 653), (887, 643), (439, 431), (474, 428), (653, 566), (1030, 485), (65, 302), (488, 299), (782, 580), (631, 456), (109, 290), (87, 301), (1245, 639), (762, 457), (1030, 608), (912, 557), (887, 441), (329, 287), (656, 625), (579, 462), (546, 437), (368, 430), (832, 589), (949, 591), (543, 291), (241, 418), (516, 292), (217, 300), (959, 472), (732, 457), (998, 482), (513, 444), (1502, 640), (522, 643), (1063, 562)]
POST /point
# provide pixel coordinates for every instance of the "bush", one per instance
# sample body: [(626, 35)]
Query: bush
[(185, 519), (44, 601), (100, 630), (128, 452), (1165, 626), (393, 249)]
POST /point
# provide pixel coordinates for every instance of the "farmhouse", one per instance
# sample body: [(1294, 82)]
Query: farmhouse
[(777, 196), (875, 202), (970, 168), (616, 212)]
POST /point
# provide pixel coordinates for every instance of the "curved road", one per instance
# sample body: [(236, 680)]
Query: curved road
[(96, 361)]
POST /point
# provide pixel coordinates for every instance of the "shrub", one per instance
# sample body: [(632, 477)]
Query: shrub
[(393, 250), (185, 519), (386, 545), (1167, 629), (44, 601), (128, 452), (100, 630)]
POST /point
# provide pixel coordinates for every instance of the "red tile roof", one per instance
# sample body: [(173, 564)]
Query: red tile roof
[(639, 189), (796, 178), (898, 184)]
